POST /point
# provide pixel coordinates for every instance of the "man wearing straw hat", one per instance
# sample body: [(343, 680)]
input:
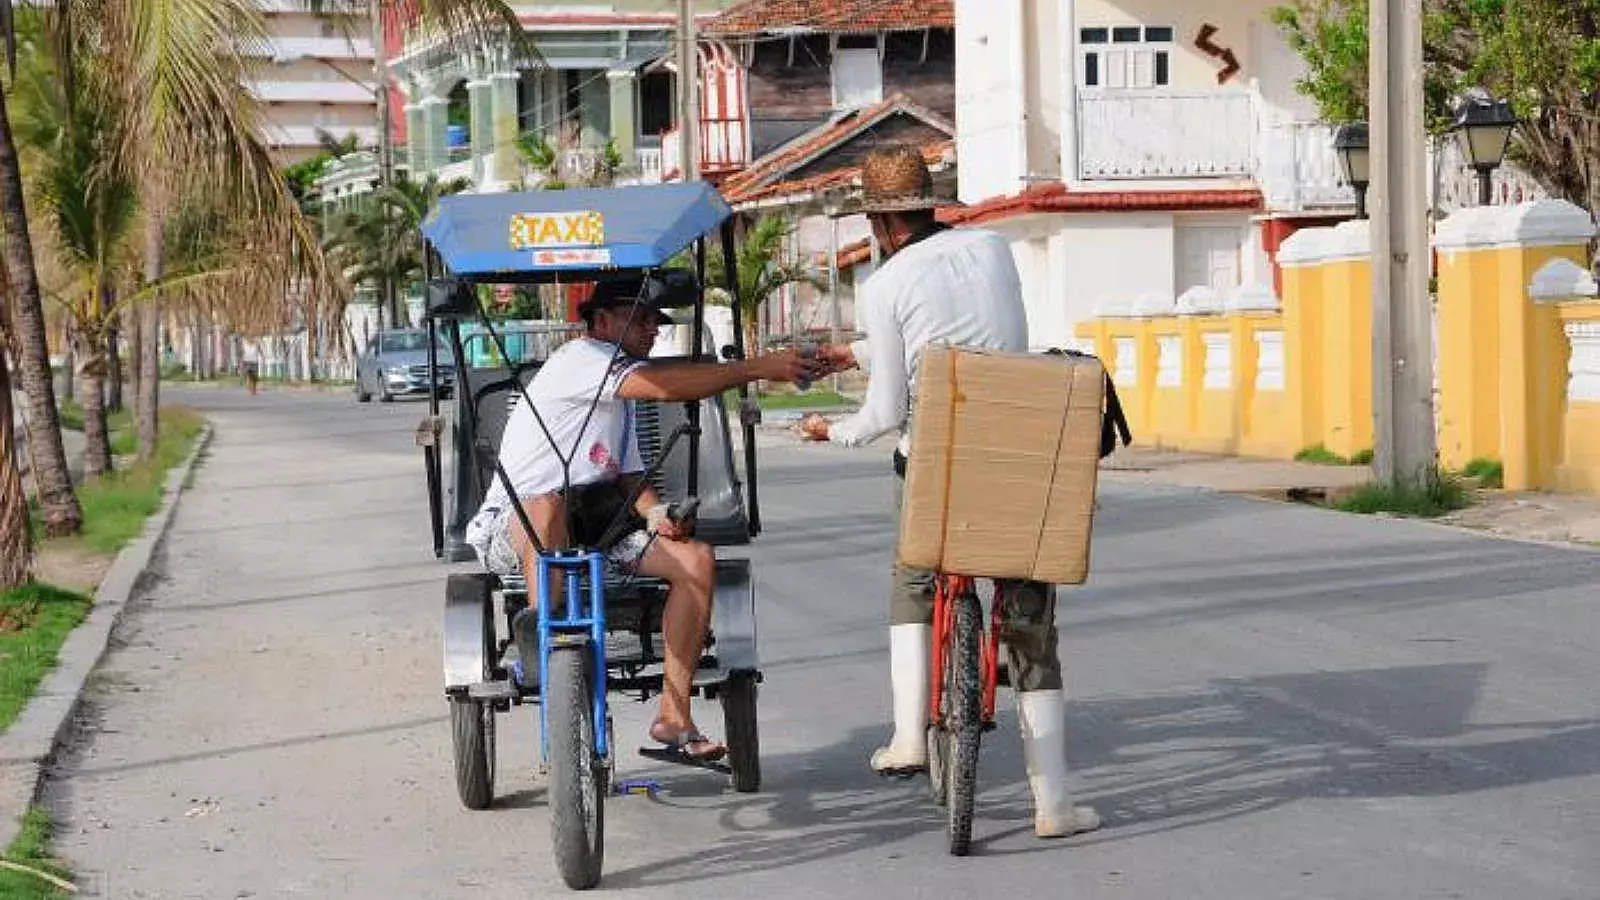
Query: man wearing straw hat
[(961, 287)]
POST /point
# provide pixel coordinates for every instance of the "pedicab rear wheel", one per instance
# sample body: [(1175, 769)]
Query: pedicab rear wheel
[(744, 740), (472, 734), (577, 775)]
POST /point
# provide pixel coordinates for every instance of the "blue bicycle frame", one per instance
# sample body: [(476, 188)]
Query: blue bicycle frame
[(584, 618)]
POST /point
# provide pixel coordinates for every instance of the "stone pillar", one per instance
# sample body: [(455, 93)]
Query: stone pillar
[(506, 167), (1492, 255), (1580, 459), (415, 140), (624, 118), (1327, 316), (435, 118), (480, 131)]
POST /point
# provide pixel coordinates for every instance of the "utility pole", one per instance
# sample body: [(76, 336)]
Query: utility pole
[(380, 75), (1402, 339), (688, 80)]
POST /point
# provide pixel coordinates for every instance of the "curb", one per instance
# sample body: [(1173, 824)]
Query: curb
[(30, 744)]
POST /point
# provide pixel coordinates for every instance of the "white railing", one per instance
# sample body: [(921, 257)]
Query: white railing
[(649, 165), (1171, 134), (1452, 184), (461, 168), (1300, 170)]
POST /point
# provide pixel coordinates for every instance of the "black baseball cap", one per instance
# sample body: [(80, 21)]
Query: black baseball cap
[(622, 293)]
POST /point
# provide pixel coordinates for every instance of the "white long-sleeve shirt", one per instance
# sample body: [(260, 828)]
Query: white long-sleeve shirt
[(959, 287)]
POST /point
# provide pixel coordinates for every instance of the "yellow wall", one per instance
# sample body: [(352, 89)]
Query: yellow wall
[(1469, 357)]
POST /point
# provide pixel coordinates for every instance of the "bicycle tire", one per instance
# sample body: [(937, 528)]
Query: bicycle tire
[(577, 802), (939, 734), (966, 721)]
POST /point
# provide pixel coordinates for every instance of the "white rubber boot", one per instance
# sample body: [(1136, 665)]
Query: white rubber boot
[(908, 677), (1043, 717)]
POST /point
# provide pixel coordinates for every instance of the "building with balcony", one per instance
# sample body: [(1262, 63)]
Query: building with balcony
[(599, 96), (314, 77), (822, 84), (1143, 153)]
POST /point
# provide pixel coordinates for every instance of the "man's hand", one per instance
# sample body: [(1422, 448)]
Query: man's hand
[(837, 357), (787, 365), (659, 522), (815, 427)]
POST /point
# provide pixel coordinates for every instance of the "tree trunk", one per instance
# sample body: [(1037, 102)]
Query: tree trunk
[(113, 366), (133, 328), (69, 366), (16, 537), (149, 402), (96, 438), (57, 501)]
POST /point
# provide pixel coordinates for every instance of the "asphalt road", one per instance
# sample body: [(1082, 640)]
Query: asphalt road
[(1268, 702)]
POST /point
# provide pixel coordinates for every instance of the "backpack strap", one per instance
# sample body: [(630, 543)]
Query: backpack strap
[(1114, 423)]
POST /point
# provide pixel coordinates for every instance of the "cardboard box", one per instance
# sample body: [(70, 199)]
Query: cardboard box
[(1005, 461)]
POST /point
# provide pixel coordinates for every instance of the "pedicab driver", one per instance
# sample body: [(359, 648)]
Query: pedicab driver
[(958, 286), (622, 321)]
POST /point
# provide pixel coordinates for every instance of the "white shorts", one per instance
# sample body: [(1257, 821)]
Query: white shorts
[(490, 534)]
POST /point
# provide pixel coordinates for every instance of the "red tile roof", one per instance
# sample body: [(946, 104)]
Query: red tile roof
[(760, 176), (932, 153), (759, 16), (1054, 197)]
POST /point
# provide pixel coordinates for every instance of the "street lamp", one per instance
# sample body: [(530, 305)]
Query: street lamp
[(1355, 158), (1483, 128)]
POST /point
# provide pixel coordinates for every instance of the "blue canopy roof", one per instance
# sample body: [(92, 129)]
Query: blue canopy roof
[(594, 229)]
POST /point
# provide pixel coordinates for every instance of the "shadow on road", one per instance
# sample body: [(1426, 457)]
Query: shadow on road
[(1150, 765)]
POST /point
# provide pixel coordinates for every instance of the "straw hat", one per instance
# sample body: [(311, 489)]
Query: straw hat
[(896, 179)]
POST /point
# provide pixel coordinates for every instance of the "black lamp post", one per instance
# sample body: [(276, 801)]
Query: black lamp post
[(1355, 157), (1483, 128)]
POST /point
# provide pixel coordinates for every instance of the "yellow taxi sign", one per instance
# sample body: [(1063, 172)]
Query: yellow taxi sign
[(562, 229)]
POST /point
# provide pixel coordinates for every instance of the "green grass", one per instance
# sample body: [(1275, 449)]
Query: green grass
[(1489, 472), (34, 620), (1322, 456), (815, 399), (115, 508), (71, 414), (1439, 493), (32, 849)]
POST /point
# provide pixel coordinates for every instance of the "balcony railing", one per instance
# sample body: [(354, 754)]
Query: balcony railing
[(1137, 135), (1144, 136), (724, 146)]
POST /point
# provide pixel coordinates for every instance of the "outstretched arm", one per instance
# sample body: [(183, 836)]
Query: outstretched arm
[(684, 381)]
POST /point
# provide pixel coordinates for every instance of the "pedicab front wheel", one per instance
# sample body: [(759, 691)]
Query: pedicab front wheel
[(577, 775)]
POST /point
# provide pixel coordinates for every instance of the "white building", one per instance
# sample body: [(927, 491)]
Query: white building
[(1134, 150), (315, 75)]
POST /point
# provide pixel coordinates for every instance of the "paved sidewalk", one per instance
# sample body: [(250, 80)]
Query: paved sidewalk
[(1530, 516)]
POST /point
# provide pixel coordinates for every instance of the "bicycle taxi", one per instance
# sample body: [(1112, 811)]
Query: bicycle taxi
[(608, 638)]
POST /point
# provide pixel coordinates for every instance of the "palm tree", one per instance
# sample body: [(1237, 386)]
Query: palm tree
[(91, 207), (378, 242), (58, 502), (762, 272), (178, 67)]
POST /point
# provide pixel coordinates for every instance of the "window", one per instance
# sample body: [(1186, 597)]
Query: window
[(1126, 56), (857, 78)]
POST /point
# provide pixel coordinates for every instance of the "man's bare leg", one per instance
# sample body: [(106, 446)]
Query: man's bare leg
[(690, 570), (548, 515)]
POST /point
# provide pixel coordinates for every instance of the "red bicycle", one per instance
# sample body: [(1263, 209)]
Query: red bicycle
[(965, 676)]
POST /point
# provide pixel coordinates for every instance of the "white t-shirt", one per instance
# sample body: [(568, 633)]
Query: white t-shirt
[(959, 287), (562, 390)]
